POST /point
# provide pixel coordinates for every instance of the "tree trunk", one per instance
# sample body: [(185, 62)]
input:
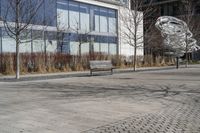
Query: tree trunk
[(135, 44), (135, 58), (79, 47), (186, 52), (79, 54), (177, 62), (17, 58), (45, 49), (17, 40)]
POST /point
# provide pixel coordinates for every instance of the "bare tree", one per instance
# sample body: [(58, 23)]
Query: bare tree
[(187, 11), (132, 19), (18, 15)]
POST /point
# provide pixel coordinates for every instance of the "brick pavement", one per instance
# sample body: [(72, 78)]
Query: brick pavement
[(183, 117)]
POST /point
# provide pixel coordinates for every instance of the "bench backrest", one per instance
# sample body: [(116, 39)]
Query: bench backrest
[(101, 64)]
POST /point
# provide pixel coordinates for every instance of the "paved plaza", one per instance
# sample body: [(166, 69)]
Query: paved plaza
[(155, 101)]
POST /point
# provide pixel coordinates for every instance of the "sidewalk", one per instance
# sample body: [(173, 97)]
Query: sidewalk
[(46, 76), (153, 100)]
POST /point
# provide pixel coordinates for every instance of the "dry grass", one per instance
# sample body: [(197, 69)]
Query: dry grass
[(58, 62)]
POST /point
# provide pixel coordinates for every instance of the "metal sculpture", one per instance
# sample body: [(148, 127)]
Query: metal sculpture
[(176, 34)]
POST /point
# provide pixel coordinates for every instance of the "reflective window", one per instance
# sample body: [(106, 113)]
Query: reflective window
[(104, 44), (112, 49), (96, 45), (7, 13), (74, 15), (74, 47), (62, 14), (51, 42), (8, 43), (63, 43), (39, 16), (103, 20), (50, 12), (96, 19), (80, 18), (85, 48), (25, 38), (112, 21), (112, 45), (84, 17), (38, 41)]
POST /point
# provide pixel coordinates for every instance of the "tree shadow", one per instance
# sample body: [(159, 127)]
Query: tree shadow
[(134, 92)]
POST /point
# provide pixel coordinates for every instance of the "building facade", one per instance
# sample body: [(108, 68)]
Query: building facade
[(69, 26)]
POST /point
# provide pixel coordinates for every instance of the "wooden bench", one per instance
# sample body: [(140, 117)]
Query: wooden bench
[(101, 65)]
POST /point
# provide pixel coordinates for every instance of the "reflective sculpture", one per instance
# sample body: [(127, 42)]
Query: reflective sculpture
[(176, 34)]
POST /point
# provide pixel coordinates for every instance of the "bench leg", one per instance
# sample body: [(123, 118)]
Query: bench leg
[(111, 71)]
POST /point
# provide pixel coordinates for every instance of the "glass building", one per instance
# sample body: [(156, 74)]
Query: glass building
[(66, 26)]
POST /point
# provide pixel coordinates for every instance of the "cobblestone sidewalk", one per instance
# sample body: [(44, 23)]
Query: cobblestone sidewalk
[(179, 117)]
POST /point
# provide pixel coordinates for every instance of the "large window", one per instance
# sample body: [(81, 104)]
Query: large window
[(104, 44), (50, 12), (8, 43), (51, 42), (96, 19), (103, 20), (74, 44), (62, 14), (74, 15), (7, 13), (63, 43), (85, 17), (112, 21), (25, 38), (96, 45), (38, 41), (39, 16), (85, 48), (112, 45)]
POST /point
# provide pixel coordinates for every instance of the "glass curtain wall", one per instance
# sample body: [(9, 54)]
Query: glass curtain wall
[(76, 20)]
